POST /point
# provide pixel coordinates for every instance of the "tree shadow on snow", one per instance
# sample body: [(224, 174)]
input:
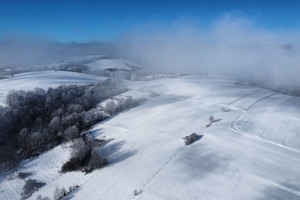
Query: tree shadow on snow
[(217, 120), (198, 163), (116, 153)]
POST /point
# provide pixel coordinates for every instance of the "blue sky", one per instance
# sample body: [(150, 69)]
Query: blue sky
[(76, 20)]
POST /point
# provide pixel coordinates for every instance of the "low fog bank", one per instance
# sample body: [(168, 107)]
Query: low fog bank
[(24, 51), (23, 55), (234, 47), (231, 46)]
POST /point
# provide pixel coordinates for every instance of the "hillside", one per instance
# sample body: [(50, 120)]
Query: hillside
[(250, 151)]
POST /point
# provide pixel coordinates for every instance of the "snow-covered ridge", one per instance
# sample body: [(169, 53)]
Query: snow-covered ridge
[(109, 64), (43, 79)]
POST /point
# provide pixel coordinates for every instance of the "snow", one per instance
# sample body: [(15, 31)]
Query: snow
[(233, 160), (120, 64), (43, 79)]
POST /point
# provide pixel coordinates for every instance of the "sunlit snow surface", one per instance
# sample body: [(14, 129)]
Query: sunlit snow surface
[(251, 151)]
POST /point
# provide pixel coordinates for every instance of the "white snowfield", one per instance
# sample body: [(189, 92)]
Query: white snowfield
[(119, 64), (43, 79), (251, 150)]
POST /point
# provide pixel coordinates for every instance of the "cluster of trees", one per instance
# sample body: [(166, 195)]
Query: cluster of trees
[(73, 67), (37, 120), (119, 104), (114, 72), (7, 71), (86, 155), (59, 193)]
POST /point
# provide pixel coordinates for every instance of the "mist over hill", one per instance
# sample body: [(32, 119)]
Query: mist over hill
[(231, 46)]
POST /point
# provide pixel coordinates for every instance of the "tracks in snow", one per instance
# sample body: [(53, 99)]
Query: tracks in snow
[(164, 166), (278, 186), (177, 152), (237, 130), (157, 173), (242, 97), (234, 127), (138, 194), (233, 124)]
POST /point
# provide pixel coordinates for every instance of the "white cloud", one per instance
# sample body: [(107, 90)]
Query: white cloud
[(233, 46)]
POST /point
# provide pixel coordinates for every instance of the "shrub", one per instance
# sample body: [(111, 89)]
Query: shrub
[(23, 175), (192, 138), (30, 187), (59, 193), (211, 119)]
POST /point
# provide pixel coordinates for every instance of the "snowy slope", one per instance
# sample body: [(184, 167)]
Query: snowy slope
[(119, 64), (232, 160), (275, 118), (43, 79)]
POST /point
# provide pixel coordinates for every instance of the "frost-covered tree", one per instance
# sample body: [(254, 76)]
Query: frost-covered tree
[(70, 120), (110, 107), (55, 125), (79, 148), (37, 120), (74, 108), (59, 193), (71, 133)]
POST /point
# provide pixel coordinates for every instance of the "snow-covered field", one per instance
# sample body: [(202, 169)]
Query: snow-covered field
[(119, 64), (251, 151), (43, 79)]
